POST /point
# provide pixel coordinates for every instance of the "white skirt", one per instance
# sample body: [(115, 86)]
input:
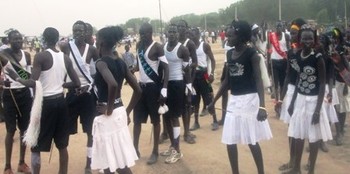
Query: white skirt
[(241, 125), (112, 143), (330, 107), (284, 116), (344, 101), (300, 123)]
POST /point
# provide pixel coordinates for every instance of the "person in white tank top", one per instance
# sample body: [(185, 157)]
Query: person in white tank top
[(178, 61), (84, 96), (48, 64), (203, 79), (154, 75), (17, 99), (277, 46)]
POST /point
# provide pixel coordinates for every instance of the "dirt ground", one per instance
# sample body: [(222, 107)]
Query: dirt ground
[(207, 156)]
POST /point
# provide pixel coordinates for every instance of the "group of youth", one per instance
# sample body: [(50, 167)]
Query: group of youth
[(169, 75)]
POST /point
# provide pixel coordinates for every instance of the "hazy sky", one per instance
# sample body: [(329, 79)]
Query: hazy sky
[(31, 17)]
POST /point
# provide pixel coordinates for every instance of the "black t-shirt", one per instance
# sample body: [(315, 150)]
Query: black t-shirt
[(308, 77), (240, 72), (118, 68), (341, 51)]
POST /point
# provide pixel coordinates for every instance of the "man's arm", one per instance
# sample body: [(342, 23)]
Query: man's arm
[(75, 83)]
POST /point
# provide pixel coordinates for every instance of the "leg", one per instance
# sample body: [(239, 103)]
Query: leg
[(36, 162), (340, 128), (313, 155), (164, 134), (299, 147), (8, 149), (154, 156), (107, 171), (88, 153), (257, 155), (176, 133), (137, 132), (196, 101), (63, 168), (291, 162), (233, 157)]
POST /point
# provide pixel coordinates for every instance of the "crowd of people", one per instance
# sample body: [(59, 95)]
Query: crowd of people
[(82, 78)]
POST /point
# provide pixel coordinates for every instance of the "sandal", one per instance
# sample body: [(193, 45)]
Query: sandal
[(189, 139), (285, 166)]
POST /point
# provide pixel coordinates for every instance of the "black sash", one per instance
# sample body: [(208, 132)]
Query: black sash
[(17, 66), (147, 68)]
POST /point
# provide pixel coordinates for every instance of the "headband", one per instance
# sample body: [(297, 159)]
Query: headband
[(295, 27)]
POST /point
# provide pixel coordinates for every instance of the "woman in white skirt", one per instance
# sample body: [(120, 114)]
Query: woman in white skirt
[(112, 148), (309, 119), (245, 121), (289, 85)]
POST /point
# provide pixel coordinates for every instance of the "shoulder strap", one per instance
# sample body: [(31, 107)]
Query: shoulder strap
[(78, 65)]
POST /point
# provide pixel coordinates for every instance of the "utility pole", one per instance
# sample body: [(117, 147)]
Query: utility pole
[(160, 16), (345, 16), (279, 10), (205, 22), (236, 16)]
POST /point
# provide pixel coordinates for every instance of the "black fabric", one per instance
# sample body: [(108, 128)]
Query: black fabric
[(293, 67), (240, 71), (308, 77), (119, 69), (148, 104), (340, 50)]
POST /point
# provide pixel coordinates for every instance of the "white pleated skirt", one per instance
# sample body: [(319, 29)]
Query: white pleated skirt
[(284, 116), (300, 126), (344, 100), (112, 143), (330, 106), (241, 125)]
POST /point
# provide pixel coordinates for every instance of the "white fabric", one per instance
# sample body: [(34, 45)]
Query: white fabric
[(254, 27), (344, 101), (330, 107), (300, 125), (153, 64), (227, 48), (201, 56), (176, 131), (264, 74), (186, 41), (112, 143), (241, 125), (89, 152), (283, 47), (284, 116), (174, 62), (82, 61), (32, 133), (22, 63), (53, 78)]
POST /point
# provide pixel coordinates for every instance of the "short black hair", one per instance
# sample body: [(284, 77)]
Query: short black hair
[(11, 33), (110, 35), (182, 20), (298, 22), (243, 30), (80, 22), (51, 35), (307, 27)]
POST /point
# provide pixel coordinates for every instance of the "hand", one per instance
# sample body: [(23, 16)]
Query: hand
[(211, 78), (291, 109), (329, 97), (315, 118), (211, 108), (262, 115)]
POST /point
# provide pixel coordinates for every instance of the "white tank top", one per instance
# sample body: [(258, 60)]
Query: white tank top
[(53, 78), (201, 56), (153, 64), (82, 78), (283, 46), (174, 62), (23, 63)]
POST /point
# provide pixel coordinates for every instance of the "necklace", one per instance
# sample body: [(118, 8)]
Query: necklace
[(304, 57)]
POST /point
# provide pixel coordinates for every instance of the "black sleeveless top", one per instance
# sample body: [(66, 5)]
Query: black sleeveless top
[(118, 68), (308, 77), (294, 67), (340, 50), (240, 72)]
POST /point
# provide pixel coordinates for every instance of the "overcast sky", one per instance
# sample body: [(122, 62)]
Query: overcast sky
[(31, 17)]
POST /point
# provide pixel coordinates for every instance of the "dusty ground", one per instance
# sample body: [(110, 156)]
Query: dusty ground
[(208, 155)]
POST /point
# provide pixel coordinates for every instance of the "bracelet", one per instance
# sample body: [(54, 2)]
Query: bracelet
[(18, 78), (262, 108)]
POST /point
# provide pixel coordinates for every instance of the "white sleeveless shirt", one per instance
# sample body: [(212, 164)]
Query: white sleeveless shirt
[(153, 64), (23, 64), (82, 78), (174, 62), (53, 78), (283, 46), (201, 56)]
